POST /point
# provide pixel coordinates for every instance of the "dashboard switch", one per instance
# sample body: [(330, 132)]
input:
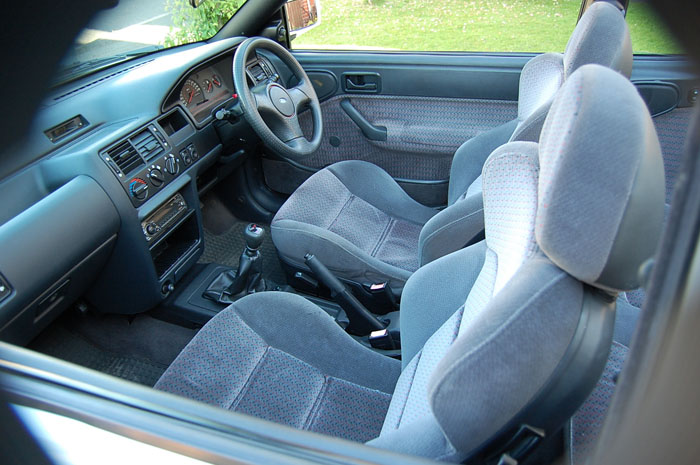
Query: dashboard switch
[(193, 151), (5, 289), (156, 176), (138, 188), (172, 165), (185, 155)]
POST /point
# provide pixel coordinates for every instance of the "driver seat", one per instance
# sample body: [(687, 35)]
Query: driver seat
[(519, 325), (364, 227)]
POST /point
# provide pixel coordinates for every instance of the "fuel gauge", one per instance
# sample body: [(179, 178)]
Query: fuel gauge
[(216, 80), (208, 85)]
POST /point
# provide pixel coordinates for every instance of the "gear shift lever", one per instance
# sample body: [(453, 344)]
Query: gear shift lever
[(231, 285), (250, 261), (253, 235)]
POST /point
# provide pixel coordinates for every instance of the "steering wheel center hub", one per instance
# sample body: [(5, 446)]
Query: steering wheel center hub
[(281, 100)]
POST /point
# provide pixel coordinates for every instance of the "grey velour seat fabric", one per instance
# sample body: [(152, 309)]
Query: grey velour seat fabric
[(558, 218), (339, 214)]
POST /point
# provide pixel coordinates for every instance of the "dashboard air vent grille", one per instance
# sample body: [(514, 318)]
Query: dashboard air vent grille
[(147, 145), (125, 156)]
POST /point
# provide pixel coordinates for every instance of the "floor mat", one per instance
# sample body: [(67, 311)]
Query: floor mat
[(224, 243), (226, 249), (61, 343), (138, 349)]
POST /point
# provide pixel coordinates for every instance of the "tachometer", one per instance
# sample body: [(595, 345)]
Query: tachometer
[(191, 93)]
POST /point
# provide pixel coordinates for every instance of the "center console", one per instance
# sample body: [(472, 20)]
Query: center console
[(172, 233), (160, 236)]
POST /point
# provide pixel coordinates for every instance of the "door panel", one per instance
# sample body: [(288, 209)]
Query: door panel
[(422, 133), (671, 126), (411, 112), (430, 104)]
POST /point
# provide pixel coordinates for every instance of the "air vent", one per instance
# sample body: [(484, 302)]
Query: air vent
[(147, 145), (93, 83), (125, 156)]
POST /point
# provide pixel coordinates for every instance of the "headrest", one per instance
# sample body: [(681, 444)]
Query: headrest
[(540, 79), (602, 37), (601, 186)]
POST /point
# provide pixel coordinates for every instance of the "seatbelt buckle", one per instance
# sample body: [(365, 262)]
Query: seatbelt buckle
[(380, 294), (381, 339)]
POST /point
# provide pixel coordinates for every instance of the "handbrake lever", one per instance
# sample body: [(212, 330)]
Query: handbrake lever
[(362, 321)]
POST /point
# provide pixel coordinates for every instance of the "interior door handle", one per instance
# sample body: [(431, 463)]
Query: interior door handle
[(370, 131), (366, 87), (362, 82)]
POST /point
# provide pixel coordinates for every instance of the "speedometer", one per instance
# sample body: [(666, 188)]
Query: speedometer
[(191, 93)]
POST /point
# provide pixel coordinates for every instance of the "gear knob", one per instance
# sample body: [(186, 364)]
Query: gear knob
[(253, 235)]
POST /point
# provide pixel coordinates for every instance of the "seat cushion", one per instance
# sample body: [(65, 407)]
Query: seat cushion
[(279, 357), (356, 220)]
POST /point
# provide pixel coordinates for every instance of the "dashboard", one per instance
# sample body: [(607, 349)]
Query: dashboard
[(105, 189)]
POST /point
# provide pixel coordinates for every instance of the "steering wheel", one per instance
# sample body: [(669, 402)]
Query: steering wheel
[(270, 108)]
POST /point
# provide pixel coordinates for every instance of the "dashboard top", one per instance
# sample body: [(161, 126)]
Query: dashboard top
[(113, 102)]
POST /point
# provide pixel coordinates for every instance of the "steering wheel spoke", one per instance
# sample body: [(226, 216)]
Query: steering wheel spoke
[(300, 143), (294, 130), (262, 99), (300, 95)]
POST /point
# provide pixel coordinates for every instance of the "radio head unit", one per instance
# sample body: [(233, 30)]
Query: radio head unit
[(164, 218)]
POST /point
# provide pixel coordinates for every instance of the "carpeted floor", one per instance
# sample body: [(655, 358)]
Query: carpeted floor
[(138, 349), (223, 240)]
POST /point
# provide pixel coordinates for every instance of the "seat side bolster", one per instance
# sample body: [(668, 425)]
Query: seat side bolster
[(502, 360), (292, 324), (376, 187), (434, 293), (470, 157), (452, 228), (423, 438), (295, 239)]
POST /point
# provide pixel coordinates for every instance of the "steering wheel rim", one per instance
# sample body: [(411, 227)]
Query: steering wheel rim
[(280, 130)]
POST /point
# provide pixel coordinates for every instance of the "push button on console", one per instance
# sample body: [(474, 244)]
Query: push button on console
[(5, 289)]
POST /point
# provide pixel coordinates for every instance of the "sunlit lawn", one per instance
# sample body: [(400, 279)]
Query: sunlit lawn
[(463, 25)]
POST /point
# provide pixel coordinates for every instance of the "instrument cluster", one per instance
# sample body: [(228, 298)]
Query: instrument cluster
[(203, 91)]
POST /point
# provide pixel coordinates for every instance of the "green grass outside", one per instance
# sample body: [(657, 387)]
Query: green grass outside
[(467, 25)]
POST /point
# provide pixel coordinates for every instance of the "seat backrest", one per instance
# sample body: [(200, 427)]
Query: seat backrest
[(602, 37), (568, 223)]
